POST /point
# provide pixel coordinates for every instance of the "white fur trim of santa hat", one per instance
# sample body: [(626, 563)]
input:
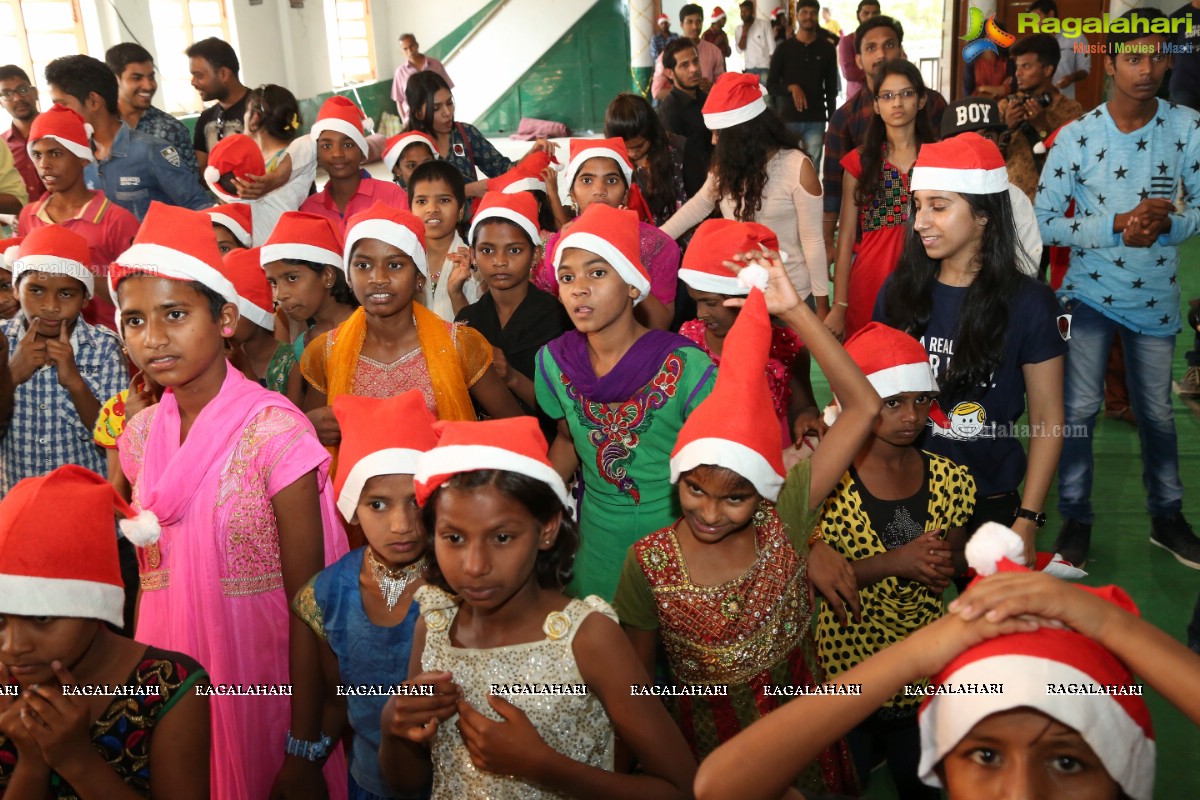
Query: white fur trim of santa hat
[(36, 596), (967, 163), (230, 222), (158, 259), (56, 265), (606, 250), (453, 459), (717, 284), (580, 156), (385, 230), (402, 142), (499, 212), (74, 148), (966, 181), (735, 98), (339, 125), (735, 456), (301, 252), (393, 461)]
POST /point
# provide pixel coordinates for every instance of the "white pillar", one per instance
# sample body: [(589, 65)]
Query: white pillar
[(641, 30)]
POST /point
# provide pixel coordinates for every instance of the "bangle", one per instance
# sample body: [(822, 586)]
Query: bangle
[(842, 303), (309, 751), (818, 535)]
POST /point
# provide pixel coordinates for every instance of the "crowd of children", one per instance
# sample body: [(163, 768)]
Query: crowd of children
[(437, 489)]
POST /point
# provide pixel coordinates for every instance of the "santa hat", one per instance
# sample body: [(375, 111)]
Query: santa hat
[(396, 226), (369, 449), (237, 154), (612, 234), (777, 12), (717, 15), (174, 243), (967, 163), (74, 571), (1117, 727), (66, 127), (661, 19), (255, 301), (525, 176), (235, 218), (400, 142), (893, 361), (715, 242), (56, 250), (306, 237), (9, 248), (583, 149), (515, 444), (520, 209), (736, 97), (726, 429), (341, 115)]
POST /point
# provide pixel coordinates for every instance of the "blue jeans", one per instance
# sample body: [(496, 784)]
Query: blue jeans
[(812, 137), (761, 72), (1148, 375)]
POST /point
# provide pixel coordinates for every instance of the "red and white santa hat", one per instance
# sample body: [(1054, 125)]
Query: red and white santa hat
[(736, 97), (1116, 726), (525, 176), (717, 15), (174, 243), (255, 301), (66, 127), (401, 141), (726, 429), (306, 237), (715, 242), (893, 361), (661, 19), (74, 571), (237, 154), (56, 250), (967, 163), (368, 449), (9, 248), (396, 226), (777, 12), (583, 149), (235, 218), (515, 444), (341, 115), (612, 234), (520, 209)]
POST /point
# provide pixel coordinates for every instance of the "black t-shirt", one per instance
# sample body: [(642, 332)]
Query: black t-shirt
[(980, 431), (216, 122), (811, 66), (681, 115), (897, 522)]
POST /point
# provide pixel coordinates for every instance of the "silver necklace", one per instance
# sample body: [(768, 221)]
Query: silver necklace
[(393, 582)]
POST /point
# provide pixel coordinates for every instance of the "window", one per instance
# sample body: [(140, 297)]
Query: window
[(177, 25), (35, 32), (351, 44)]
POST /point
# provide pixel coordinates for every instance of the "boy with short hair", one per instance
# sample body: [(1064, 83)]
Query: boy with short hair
[(59, 148), (59, 364)]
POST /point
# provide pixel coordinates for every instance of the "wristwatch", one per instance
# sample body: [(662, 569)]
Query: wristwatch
[(1025, 513), (309, 751)]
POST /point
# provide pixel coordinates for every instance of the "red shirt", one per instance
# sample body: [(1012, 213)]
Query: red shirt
[(369, 191), (109, 230), (16, 143)]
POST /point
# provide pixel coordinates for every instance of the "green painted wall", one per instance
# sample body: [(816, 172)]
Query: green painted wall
[(575, 80)]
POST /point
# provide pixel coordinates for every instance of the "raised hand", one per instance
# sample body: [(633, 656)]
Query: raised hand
[(926, 560), (29, 356), (512, 747), (60, 354), (416, 718)]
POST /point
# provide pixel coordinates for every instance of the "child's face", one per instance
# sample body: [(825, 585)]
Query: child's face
[(226, 241), (716, 503), (503, 254), (338, 155), (411, 157), (712, 311), (8, 296), (58, 167), (29, 644), (55, 300), (435, 204), (169, 330), (298, 290), (487, 545), (387, 512), (599, 180), (383, 277), (594, 295), (1024, 753), (903, 418)]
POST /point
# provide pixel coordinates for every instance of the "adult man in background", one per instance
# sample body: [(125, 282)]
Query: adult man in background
[(414, 61), (755, 41), (1072, 66), (715, 33), (803, 78), (680, 111), (20, 99), (712, 62), (851, 72), (214, 67), (136, 85)]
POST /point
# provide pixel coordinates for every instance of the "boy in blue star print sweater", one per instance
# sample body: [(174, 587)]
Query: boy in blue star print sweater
[(1123, 164)]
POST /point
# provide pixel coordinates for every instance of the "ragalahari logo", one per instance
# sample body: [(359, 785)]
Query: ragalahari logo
[(983, 36)]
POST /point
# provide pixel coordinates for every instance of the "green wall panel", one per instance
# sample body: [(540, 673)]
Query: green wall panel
[(575, 80)]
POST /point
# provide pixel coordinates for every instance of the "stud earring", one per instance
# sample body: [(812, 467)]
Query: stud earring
[(227, 331)]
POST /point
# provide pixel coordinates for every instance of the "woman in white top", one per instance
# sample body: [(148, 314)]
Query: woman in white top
[(760, 174), (273, 122)]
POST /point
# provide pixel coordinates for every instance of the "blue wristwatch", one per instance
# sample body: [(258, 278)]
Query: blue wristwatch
[(309, 751)]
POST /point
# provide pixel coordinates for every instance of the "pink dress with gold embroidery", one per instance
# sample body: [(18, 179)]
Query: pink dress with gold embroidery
[(212, 586)]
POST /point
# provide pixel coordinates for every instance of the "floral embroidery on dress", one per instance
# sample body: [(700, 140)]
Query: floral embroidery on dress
[(615, 429), (557, 625)]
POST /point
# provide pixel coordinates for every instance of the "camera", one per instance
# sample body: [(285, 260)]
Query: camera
[(1044, 99)]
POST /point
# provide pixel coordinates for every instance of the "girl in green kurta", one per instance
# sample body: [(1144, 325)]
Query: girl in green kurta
[(619, 391)]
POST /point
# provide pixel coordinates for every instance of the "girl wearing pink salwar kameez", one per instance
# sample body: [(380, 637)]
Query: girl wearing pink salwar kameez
[(212, 585)]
